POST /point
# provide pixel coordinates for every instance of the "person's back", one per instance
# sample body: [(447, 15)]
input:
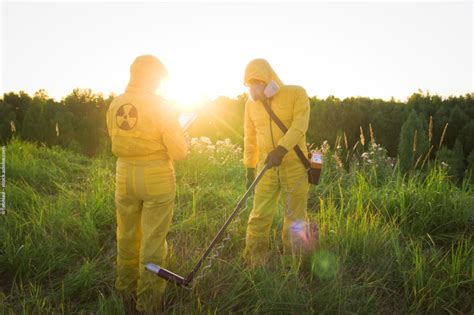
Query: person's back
[(146, 138), (140, 138)]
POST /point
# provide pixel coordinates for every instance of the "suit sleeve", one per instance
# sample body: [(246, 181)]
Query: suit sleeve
[(109, 120), (299, 126), (250, 140), (173, 137)]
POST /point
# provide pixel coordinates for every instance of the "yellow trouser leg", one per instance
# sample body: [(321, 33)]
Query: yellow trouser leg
[(144, 198), (128, 211), (294, 188), (260, 220), (156, 220)]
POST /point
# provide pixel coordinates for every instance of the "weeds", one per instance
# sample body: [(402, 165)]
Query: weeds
[(388, 243)]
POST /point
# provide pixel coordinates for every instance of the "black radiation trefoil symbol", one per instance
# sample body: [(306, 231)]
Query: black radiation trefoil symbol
[(127, 116)]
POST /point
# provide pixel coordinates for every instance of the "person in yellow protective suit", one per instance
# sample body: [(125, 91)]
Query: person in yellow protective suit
[(265, 143), (146, 138)]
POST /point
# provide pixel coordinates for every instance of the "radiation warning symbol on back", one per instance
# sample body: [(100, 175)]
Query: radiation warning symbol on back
[(127, 116)]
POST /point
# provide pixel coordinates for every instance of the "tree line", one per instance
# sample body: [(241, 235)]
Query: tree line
[(424, 126), (77, 122)]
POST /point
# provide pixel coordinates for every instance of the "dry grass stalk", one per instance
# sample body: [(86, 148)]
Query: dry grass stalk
[(414, 141), (430, 130), (442, 135), (427, 156), (345, 141), (12, 126)]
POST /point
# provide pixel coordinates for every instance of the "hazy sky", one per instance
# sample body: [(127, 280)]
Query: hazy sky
[(342, 49)]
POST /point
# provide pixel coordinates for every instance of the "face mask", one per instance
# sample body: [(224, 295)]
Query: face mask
[(261, 92), (271, 89), (257, 92)]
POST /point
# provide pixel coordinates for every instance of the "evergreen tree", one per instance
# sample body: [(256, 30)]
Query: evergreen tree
[(413, 143), (457, 120), (34, 124), (65, 128), (7, 117), (470, 165), (453, 160), (47, 105), (458, 165), (466, 137), (19, 104)]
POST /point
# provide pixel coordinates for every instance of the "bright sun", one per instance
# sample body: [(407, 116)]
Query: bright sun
[(186, 95)]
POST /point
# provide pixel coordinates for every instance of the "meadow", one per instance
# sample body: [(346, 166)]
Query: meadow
[(388, 243)]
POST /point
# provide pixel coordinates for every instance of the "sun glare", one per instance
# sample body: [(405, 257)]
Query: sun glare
[(186, 95)]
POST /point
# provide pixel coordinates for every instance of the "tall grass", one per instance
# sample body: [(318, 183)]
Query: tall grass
[(388, 243)]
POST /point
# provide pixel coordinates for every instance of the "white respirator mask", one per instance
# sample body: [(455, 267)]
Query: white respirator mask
[(261, 92), (271, 89)]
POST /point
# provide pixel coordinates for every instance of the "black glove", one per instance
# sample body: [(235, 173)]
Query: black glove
[(275, 157), (249, 177)]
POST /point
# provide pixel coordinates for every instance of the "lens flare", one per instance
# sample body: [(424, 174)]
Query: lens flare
[(298, 228), (182, 93), (324, 264), (304, 235)]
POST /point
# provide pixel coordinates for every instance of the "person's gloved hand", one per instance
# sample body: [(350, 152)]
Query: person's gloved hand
[(275, 157), (249, 177)]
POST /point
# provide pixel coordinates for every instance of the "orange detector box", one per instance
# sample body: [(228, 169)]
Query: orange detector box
[(316, 159)]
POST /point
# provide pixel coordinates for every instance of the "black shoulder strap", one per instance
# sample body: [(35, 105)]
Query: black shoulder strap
[(283, 128)]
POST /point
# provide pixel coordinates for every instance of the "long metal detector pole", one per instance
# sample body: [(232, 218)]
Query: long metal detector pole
[(190, 276), (172, 277)]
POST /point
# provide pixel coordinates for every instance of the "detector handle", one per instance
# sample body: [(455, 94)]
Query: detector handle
[(219, 234), (165, 274)]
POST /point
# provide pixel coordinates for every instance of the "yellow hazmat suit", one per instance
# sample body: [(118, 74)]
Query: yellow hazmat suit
[(146, 138), (261, 136)]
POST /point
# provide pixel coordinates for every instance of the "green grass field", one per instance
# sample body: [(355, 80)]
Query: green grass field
[(388, 244)]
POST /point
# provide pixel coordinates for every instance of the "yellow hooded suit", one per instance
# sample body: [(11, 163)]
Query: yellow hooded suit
[(261, 136), (146, 138)]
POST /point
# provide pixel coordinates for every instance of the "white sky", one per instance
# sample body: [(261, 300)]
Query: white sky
[(342, 49)]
